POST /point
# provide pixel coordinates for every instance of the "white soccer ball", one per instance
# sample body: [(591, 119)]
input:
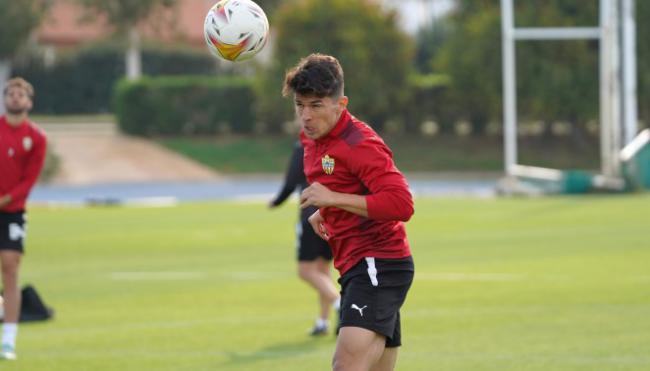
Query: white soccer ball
[(236, 30)]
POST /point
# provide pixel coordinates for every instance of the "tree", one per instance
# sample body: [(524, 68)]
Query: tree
[(548, 73), (429, 40), (125, 15), (269, 6), (472, 59), (374, 53), (17, 20), (558, 80)]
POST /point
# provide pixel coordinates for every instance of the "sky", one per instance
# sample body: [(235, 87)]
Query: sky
[(413, 14)]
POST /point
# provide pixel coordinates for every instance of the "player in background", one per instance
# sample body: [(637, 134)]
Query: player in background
[(363, 200), (22, 154), (314, 254)]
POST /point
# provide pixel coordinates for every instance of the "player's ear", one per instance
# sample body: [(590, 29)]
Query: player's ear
[(343, 102)]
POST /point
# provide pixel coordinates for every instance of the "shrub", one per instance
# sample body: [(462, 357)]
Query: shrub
[(83, 82), (184, 105)]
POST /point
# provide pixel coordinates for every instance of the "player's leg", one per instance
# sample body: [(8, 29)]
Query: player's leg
[(12, 234), (324, 262), (313, 256), (324, 266), (328, 293), (357, 349), (9, 263), (387, 360), (311, 272), (373, 293)]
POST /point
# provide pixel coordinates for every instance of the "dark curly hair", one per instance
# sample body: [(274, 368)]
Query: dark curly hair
[(317, 74)]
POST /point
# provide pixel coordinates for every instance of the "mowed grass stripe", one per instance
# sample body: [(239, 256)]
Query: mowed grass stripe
[(502, 284)]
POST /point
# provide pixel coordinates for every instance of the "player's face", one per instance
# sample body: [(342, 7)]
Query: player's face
[(318, 116), (17, 101)]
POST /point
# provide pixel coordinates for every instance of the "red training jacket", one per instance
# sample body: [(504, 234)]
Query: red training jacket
[(353, 159), (22, 154)]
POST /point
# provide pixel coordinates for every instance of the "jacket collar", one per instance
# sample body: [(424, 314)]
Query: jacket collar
[(338, 128), (4, 121)]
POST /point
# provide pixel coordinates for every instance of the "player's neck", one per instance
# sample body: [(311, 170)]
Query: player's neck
[(16, 120)]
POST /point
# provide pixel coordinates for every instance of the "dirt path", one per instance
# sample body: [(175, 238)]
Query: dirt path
[(98, 153)]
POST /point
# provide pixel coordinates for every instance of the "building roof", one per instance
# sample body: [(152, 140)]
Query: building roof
[(67, 24)]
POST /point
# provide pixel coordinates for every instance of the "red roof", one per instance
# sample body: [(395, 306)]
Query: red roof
[(65, 25)]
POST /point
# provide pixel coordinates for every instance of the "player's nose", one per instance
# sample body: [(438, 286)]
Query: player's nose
[(305, 115)]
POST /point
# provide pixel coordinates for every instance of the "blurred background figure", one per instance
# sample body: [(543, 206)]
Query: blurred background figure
[(22, 153), (314, 254)]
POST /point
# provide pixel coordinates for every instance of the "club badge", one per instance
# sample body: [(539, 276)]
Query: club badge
[(27, 143), (328, 164)]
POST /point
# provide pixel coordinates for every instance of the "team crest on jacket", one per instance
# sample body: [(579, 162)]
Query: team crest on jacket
[(328, 164), (27, 143)]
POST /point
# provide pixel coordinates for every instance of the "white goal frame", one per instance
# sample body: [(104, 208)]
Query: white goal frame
[(618, 102)]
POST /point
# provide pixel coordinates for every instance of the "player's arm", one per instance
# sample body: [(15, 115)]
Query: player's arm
[(320, 196), (32, 171), (294, 176), (388, 196)]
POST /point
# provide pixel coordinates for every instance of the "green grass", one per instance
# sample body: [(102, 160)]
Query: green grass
[(237, 154), (412, 153), (506, 284)]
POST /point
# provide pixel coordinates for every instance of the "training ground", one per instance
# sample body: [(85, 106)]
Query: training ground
[(501, 284)]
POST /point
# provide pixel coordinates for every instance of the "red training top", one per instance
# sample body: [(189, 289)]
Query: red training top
[(353, 159), (22, 154)]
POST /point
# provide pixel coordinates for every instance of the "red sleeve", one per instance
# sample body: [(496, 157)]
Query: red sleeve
[(32, 170), (389, 197)]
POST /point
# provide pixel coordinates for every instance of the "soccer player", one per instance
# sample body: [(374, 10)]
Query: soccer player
[(314, 254), (22, 153), (363, 200)]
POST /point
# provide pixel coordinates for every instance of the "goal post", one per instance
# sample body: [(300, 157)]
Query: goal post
[(617, 65)]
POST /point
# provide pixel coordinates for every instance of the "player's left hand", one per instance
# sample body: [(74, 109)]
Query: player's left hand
[(4, 201), (318, 224), (316, 195)]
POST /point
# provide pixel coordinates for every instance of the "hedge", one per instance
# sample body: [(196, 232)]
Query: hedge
[(184, 105), (83, 82)]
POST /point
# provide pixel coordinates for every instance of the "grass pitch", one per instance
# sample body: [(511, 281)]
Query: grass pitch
[(506, 284)]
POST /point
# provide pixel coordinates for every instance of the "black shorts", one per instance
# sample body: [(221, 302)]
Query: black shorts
[(12, 231), (310, 245), (372, 301)]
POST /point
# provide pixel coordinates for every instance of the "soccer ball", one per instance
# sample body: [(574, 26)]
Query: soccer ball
[(236, 30)]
